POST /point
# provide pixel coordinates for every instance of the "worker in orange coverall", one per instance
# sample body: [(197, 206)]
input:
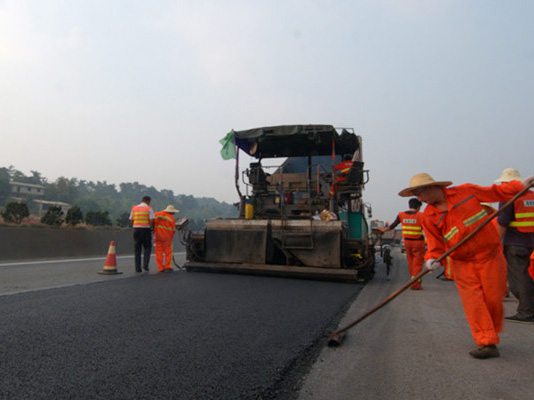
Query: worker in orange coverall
[(164, 229), (341, 171), (450, 215), (414, 240)]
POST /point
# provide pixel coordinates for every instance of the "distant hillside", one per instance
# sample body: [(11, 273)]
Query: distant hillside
[(117, 200)]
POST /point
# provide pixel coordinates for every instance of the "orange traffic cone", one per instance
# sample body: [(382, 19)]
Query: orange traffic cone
[(110, 267)]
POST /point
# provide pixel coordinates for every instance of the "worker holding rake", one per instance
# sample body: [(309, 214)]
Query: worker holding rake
[(450, 215), (164, 229)]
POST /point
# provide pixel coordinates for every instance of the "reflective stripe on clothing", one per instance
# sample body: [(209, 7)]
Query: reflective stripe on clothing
[(448, 268), (524, 213), (475, 218), (479, 216), (164, 226), (444, 228), (140, 216), (411, 224)]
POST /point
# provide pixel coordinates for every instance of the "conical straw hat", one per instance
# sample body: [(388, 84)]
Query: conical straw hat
[(419, 181), (171, 209)]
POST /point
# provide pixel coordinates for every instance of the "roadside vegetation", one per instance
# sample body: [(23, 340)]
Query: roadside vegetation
[(99, 203)]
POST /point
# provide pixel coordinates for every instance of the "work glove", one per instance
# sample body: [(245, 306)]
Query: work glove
[(432, 264), (528, 182)]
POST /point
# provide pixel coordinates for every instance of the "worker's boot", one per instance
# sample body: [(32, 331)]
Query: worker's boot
[(485, 352)]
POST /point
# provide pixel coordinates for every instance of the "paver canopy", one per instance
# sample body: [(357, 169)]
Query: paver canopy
[(295, 141)]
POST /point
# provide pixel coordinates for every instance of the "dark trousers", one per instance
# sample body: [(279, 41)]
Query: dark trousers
[(519, 280), (142, 240)]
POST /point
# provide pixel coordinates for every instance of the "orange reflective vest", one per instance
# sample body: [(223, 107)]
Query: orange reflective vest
[(164, 226), (524, 213), (412, 227), (140, 217)]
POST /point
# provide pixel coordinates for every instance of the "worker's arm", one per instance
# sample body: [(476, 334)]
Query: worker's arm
[(152, 217), (502, 192), (504, 218), (390, 227), (434, 241)]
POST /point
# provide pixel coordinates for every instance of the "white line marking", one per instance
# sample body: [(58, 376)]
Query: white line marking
[(65, 260)]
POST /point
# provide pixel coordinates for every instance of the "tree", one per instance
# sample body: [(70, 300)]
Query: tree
[(36, 178), (63, 189), (15, 212), (124, 220), (5, 186), (97, 218), (74, 216), (53, 216)]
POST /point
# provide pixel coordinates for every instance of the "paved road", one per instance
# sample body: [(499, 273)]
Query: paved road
[(208, 336), (158, 336), (417, 347), (22, 276)]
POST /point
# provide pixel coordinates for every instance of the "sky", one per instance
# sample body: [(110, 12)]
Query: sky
[(137, 91)]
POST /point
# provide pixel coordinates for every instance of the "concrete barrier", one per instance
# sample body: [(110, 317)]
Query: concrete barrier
[(23, 243)]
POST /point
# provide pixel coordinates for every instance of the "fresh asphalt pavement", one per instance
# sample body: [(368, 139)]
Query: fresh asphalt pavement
[(212, 336), (416, 347), (68, 332)]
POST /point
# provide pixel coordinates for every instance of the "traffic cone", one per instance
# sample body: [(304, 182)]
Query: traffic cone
[(110, 267)]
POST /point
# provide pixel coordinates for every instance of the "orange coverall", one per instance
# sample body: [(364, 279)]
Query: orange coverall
[(164, 229), (448, 269), (479, 266), (343, 167), (448, 261)]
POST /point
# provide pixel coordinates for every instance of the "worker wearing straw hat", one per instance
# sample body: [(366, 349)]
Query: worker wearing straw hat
[(516, 225), (164, 229), (451, 214)]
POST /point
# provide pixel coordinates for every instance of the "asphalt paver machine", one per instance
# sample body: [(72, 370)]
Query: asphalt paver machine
[(299, 218)]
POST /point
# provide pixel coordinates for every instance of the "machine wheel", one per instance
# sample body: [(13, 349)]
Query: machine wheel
[(367, 273)]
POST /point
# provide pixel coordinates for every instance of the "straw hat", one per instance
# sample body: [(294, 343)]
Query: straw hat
[(419, 181), (509, 174), (490, 205), (171, 209)]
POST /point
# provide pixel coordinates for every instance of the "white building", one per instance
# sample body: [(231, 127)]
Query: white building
[(23, 191), (20, 190), (44, 205)]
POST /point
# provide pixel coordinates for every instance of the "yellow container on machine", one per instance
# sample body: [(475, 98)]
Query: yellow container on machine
[(249, 209)]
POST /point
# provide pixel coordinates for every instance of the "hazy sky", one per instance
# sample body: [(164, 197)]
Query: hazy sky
[(142, 91)]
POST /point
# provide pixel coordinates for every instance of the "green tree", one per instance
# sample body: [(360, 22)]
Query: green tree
[(53, 216), (74, 216), (124, 220), (15, 212), (97, 218), (36, 178), (5, 187), (63, 189), (17, 175)]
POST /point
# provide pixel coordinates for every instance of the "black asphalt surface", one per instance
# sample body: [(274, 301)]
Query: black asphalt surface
[(178, 335)]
